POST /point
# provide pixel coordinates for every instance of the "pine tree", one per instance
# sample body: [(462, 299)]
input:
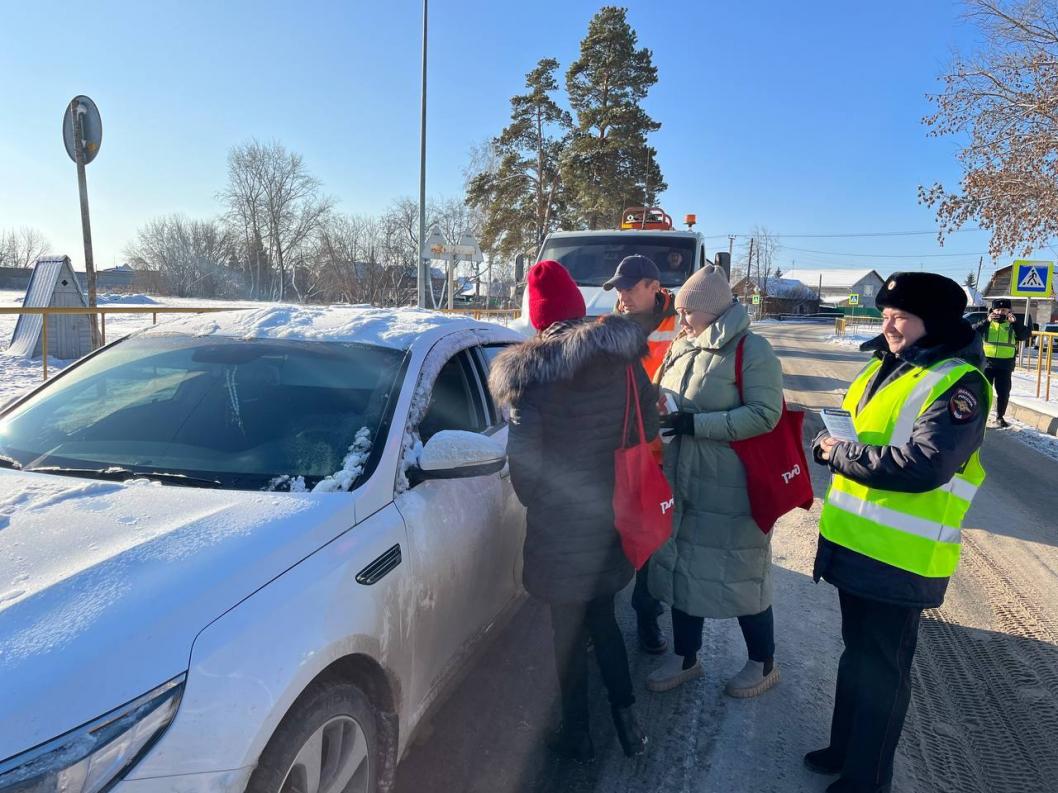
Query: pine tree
[(608, 164), (971, 280), (522, 198)]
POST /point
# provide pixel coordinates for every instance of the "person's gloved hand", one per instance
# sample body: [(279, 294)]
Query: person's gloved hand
[(673, 424)]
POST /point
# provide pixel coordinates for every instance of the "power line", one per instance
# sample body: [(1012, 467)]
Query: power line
[(887, 255), (834, 235)]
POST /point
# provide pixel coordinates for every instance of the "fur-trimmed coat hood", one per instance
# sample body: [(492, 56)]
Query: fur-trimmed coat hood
[(562, 351), (567, 390)]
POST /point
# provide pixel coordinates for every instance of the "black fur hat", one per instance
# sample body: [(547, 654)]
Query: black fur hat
[(936, 300)]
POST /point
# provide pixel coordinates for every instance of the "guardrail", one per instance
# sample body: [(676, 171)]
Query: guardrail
[(1049, 337), (102, 312), (843, 324), (487, 314)]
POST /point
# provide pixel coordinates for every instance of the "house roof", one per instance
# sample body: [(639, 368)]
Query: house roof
[(832, 279), (782, 287)]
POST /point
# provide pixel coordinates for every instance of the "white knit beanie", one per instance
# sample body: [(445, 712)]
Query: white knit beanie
[(707, 290)]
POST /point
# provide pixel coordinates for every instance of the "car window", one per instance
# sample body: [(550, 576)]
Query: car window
[(486, 355), (456, 400), (241, 412)]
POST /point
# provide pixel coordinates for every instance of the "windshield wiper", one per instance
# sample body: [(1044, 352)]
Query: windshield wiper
[(10, 462), (119, 474)]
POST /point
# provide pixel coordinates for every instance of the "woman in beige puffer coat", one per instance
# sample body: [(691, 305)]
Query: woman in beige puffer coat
[(717, 563)]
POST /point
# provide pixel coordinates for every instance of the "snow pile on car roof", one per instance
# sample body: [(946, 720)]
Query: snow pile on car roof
[(387, 327)]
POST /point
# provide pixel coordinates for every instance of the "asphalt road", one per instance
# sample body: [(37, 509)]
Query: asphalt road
[(985, 705)]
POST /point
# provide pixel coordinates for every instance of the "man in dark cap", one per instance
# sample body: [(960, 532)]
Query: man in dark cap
[(1001, 332), (890, 527), (641, 299)]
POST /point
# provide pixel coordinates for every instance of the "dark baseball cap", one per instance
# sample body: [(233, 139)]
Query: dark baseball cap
[(631, 271)]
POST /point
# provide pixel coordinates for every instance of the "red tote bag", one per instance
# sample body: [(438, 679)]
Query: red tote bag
[(642, 498), (776, 469)]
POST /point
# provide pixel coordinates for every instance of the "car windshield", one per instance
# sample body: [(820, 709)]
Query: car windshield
[(243, 414), (592, 259)]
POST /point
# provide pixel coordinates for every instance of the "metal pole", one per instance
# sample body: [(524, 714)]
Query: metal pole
[(86, 224), (424, 271), (43, 342)]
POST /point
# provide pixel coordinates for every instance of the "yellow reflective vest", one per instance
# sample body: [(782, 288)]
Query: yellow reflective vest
[(1000, 341), (917, 532)]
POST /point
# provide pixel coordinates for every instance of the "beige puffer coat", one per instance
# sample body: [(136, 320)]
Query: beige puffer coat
[(718, 562)]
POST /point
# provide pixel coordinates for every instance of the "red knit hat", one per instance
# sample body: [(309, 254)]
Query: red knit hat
[(553, 296)]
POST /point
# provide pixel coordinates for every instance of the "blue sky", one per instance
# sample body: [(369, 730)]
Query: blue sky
[(804, 118)]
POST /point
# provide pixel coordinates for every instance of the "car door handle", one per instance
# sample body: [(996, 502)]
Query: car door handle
[(380, 567)]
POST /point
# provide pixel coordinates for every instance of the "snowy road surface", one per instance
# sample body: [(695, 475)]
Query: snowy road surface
[(984, 713)]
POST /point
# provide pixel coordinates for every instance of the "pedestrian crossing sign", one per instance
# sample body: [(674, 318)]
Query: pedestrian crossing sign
[(854, 299), (1031, 279), (756, 300)]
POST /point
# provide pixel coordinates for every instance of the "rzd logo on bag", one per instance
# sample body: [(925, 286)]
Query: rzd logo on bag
[(786, 477), (667, 505)]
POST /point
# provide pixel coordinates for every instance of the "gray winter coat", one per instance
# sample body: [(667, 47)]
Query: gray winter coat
[(943, 438), (718, 562), (566, 389)]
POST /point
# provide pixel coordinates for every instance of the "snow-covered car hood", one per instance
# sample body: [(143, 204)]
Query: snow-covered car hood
[(104, 586)]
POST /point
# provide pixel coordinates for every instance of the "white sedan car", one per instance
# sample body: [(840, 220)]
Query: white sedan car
[(246, 551)]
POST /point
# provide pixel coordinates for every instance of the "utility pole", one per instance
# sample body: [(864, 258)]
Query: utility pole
[(424, 263), (977, 283), (730, 246), (749, 263)]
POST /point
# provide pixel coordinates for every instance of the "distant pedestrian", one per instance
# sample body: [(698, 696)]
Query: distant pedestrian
[(642, 299), (890, 528), (718, 562), (1001, 331), (567, 391)]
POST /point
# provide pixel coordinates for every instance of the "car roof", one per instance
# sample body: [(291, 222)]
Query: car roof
[(396, 328)]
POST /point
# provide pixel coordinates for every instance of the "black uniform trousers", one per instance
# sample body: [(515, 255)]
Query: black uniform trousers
[(999, 376), (571, 625), (874, 687)]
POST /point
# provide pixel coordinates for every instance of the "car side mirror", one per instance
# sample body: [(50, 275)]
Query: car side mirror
[(455, 454)]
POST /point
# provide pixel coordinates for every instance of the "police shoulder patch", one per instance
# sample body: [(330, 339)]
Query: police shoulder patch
[(963, 405)]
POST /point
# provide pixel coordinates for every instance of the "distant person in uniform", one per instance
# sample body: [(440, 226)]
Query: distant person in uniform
[(641, 299), (890, 526), (1001, 331)]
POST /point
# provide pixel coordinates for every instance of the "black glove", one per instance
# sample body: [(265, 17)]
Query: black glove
[(673, 424)]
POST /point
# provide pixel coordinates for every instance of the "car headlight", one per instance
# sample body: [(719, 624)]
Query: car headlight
[(92, 758)]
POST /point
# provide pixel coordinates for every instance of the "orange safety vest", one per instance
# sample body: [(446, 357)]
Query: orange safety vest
[(659, 341)]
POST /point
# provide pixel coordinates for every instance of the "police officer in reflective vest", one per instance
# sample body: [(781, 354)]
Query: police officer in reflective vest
[(641, 298), (890, 527), (1001, 332)]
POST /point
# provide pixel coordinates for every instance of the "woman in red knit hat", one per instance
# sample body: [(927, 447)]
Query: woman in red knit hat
[(567, 392)]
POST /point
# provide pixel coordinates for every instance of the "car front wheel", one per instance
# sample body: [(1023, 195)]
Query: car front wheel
[(327, 743)]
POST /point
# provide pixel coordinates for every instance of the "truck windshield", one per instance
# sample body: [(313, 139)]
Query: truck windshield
[(593, 258)]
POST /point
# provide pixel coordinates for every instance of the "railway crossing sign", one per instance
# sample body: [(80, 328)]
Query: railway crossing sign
[(1031, 278)]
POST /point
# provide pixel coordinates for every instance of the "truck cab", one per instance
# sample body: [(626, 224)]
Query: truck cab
[(592, 256)]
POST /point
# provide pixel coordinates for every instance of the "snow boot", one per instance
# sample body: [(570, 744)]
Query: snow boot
[(1002, 422), (572, 742), (823, 761), (672, 674), (629, 733), (752, 680), (650, 638)]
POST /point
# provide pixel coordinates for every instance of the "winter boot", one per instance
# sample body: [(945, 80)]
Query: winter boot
[(629, 733), (572, 742), (671, 674), (824, 761), (650, 638), (845, 786), (754, 679), (1002, 422)]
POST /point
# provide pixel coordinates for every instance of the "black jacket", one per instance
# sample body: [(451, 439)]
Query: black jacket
[(566, 389), (1016, 331), (942, 440)]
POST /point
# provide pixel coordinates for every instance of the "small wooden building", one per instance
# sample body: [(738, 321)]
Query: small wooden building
[(53, 284)]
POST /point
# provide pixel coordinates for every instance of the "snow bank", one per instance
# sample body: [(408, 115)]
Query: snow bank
[(850, 339), (127, 300)]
